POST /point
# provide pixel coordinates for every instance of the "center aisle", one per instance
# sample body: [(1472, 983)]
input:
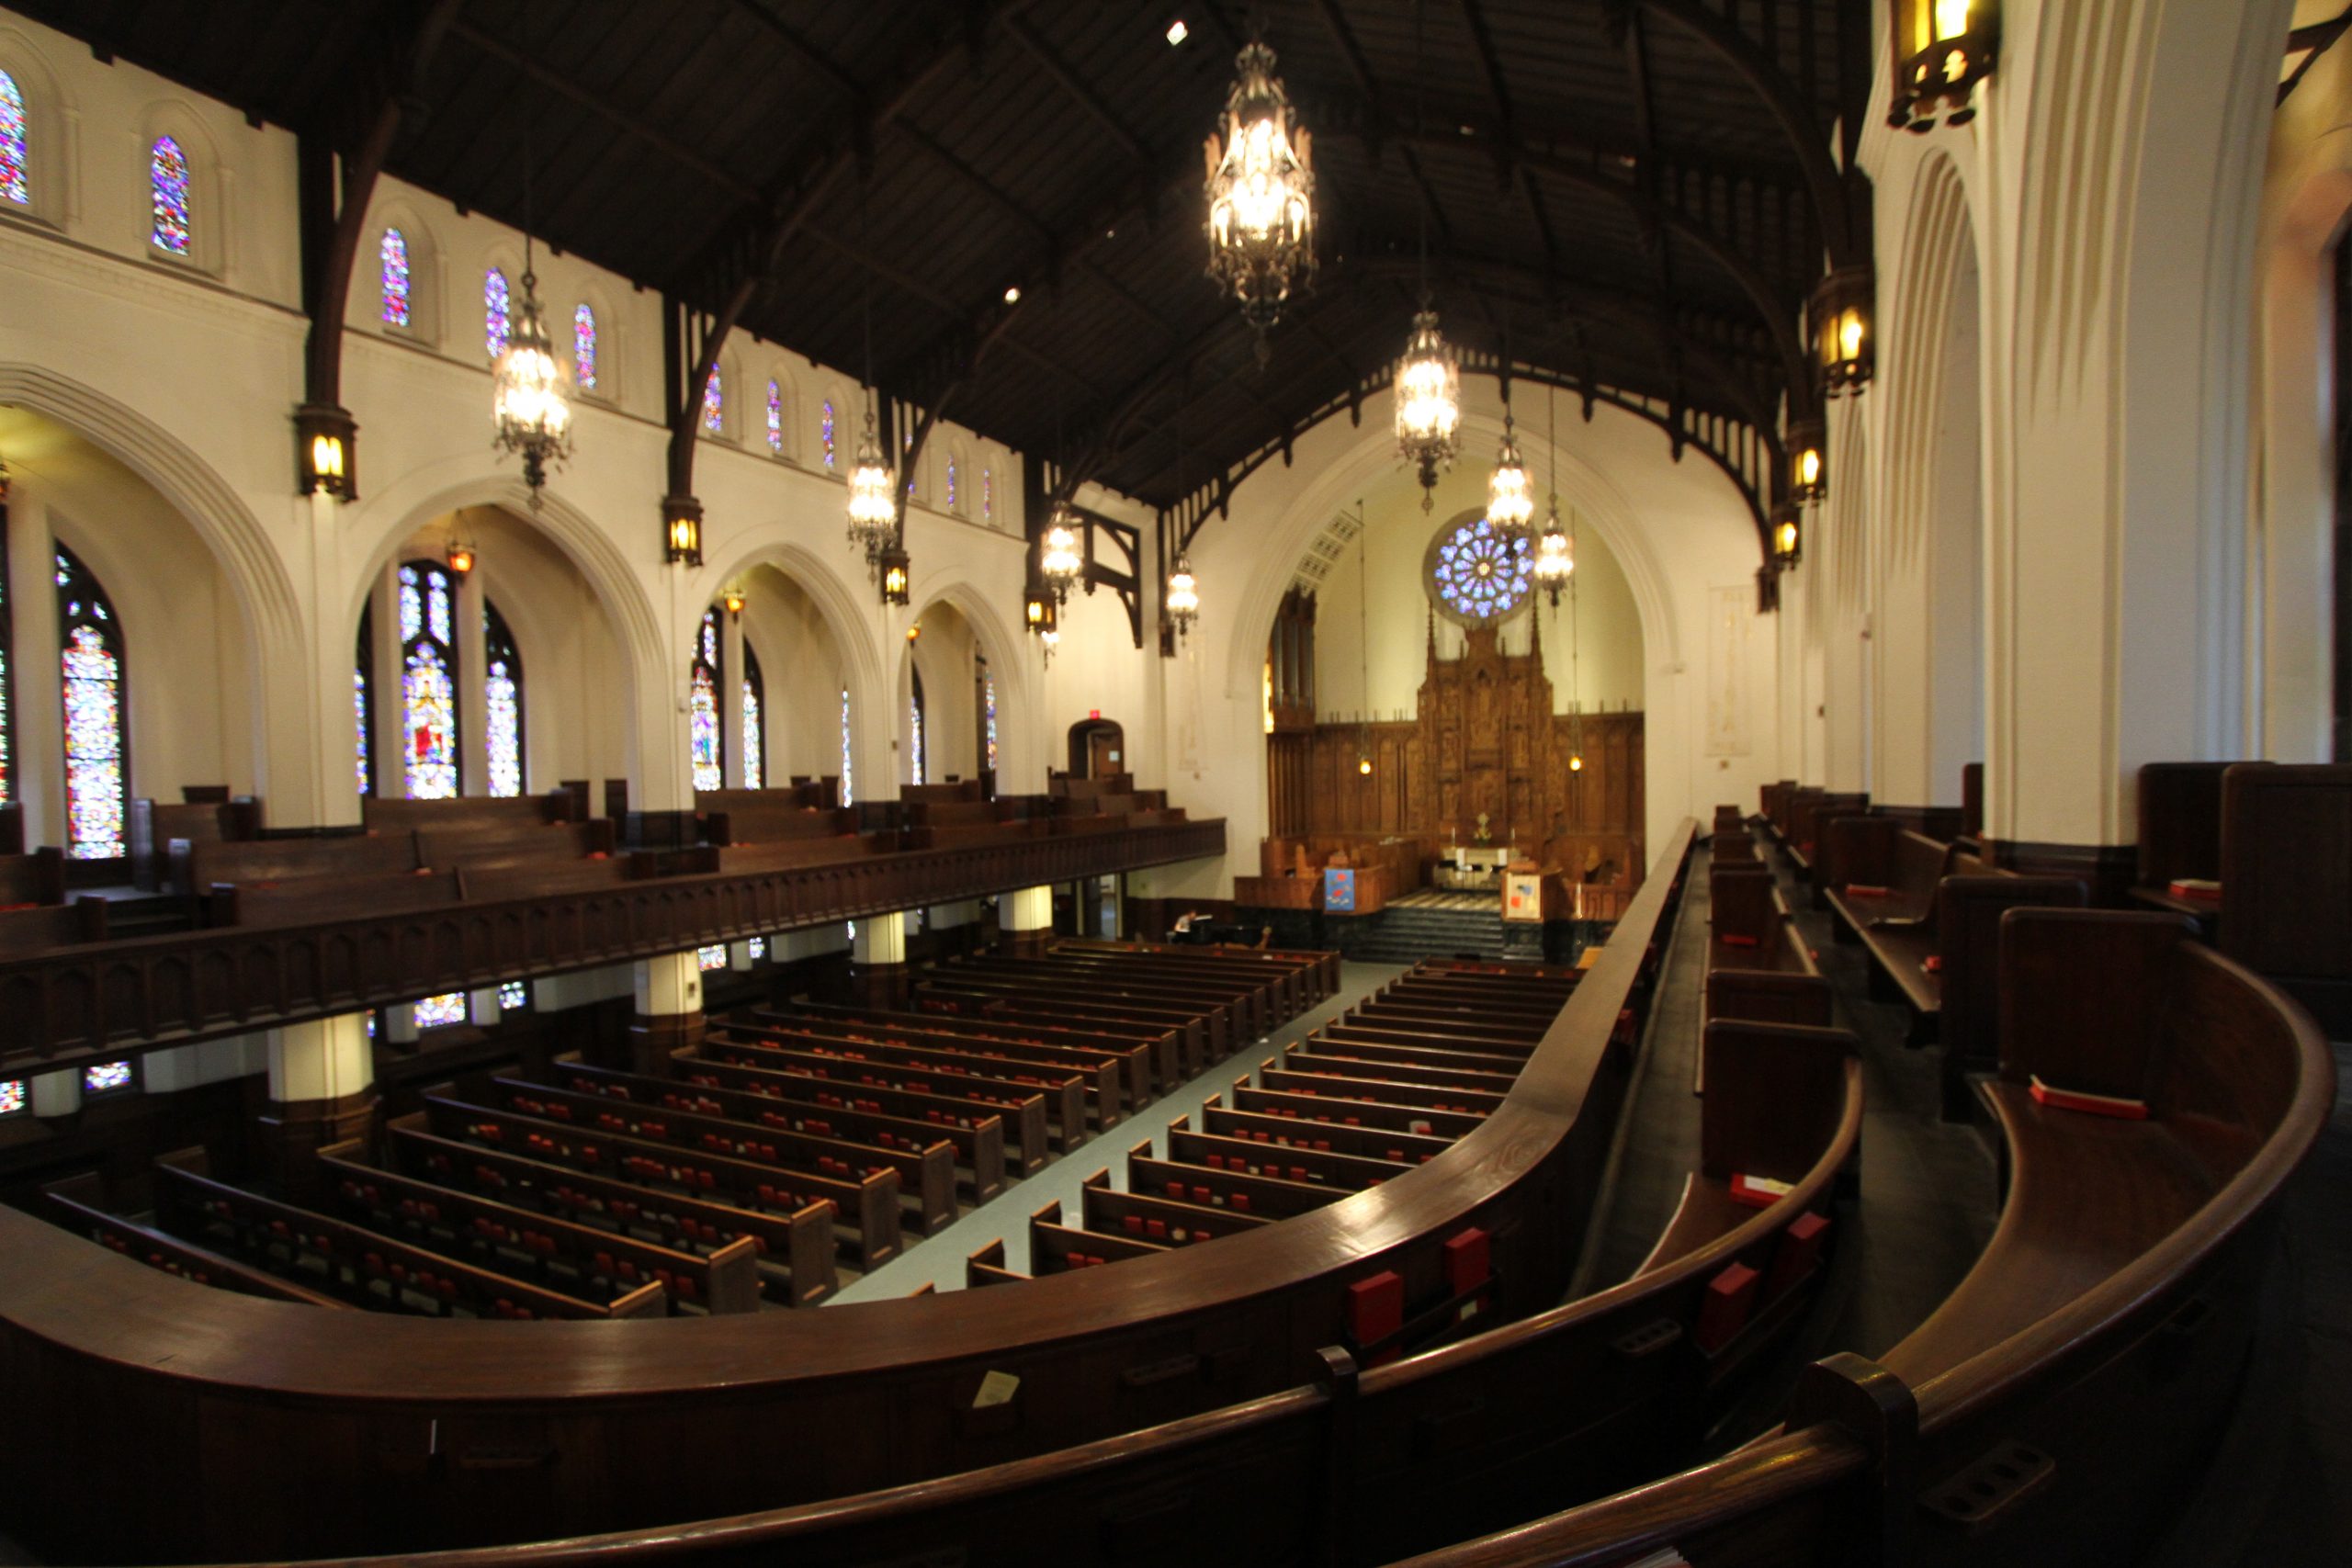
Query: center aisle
[(940, 1259)]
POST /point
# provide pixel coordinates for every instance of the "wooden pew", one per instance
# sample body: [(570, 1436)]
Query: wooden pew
[(391, 814), (1130, 1059), (74, 1199), (37, 928), (503, 1239), (155, 824), (1284, 1129), (1162, 1041), (1028, 1111), (796, 1251), (2287, 882), (1071, 1086), (1223, 1187), (1322, 1168), (1760, 968), (952, 990), (1057, 1249), (1808, 810), (1367, 1045), (1325, 1060), (986, 1266), (1141, 1216), (1246, 1007), (1875, 872), (864, 1210), (1314, 1104), (979, 1142), (831, 1081), (2180, 836), (926, 1171), (364, 1265)]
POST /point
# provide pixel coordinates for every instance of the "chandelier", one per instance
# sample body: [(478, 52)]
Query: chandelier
[(1509, 503), (1261, 190), (1556, 558), (1428, 400), (872, 502), (1059, 559), (1183, 596), (531, 401)]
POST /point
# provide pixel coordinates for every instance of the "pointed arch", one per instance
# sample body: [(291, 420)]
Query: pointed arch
[(755, 721), (431, 765), (505, 740)]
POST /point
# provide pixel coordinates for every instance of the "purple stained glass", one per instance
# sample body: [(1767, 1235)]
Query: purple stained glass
[(94, 785), (496, 322), (108, 1077), (392, 263), (1478, 574), (437, 604), (914, 733), (513, 995), (988, 690), (848, 794), (503, 707), (710, 638), (412, 605), (430, 700), (703, 731), (436, 1012), (14, 182), (776, 419), (15, 1094), (758, 948), (167, 182), (754, 739), (359, 717), (709, 958), (8, 758), (825, 431), (583, 348), (714, 405), (987, 495), (951, 482)]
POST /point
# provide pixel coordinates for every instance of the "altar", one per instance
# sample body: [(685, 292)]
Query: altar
[(1472, 867)]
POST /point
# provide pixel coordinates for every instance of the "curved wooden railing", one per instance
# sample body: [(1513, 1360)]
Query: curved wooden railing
[(410, 1433)]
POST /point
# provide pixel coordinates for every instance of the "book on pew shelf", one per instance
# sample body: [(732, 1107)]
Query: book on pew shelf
[(1732, 938), (2202, 890), (1758, 1191), (2090, 1104), (1865, 890)]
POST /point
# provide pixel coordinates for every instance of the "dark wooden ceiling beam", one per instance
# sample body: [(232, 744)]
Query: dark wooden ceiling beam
[(979, 183), (1077, 89), (1343, 37), (843, 85), (1490, 71)]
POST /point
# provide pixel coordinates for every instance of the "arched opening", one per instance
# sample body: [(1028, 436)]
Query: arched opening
[(791, 732), (1098, 749), (2341, 749), (1956, 541)]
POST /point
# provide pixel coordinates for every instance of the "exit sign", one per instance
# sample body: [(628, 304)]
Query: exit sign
[(1094, 713)]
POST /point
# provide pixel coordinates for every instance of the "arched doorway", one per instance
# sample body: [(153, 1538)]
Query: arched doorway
[(1098, 749)]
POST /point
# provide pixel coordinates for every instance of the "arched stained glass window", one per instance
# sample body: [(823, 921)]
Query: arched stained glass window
[(825, 433), (167, 182), (755, 722), (437, 1012), (988, 714), (391, 261), (501, 703), (584, 347), (914, 732), (15, 184), (709, 958), (362, 709), (849, 792), (495, 322), (951, 482), (1476, 575), (776, 419), (987, 495), (98, 750), (714, 405), (706, 733), (513, 995), (428, 682)]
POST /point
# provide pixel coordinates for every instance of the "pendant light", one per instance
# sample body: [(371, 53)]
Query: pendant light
[(530, 398), (1510, 502), (1260, 189), (1182, 601), (873, 479), (1428, 380), (1555, 556), (1059, 559)]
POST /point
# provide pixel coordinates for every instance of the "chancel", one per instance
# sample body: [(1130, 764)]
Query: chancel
[(1461, 783)]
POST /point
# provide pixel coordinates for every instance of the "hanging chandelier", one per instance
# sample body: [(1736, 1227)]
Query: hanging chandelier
[(1059, 559), (1184, 595), (1556, 556), (873, 501), (1428, 400), (1509, 503), (531, 400), (1260, 189)]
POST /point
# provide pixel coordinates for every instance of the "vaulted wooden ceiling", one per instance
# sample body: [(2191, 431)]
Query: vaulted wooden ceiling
[(1632, 195)]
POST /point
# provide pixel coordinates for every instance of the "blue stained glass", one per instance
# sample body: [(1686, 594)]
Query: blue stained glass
[(435, 1012), (392, 263), (709, 958), (502, 704), (848, 794), (108, 1077), (14, 180), (513, 994), (755, 772), (412, 605), (495, 322), (776, 419), (91, 665), (16, 1094), (951, 482), (758, 947), (167, 179), (432, 711), (710, 639), (1478, 574), (825, 431), (709, 771), (987, 686), (359, 717), (583, 348), (987, 495), (914, 732), (437, 605), (714, 405)]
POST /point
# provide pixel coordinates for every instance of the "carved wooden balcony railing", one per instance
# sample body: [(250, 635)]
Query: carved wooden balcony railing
[(74, 1004)]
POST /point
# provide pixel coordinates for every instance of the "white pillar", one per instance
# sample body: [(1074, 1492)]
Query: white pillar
[(1026, 910), (38, 684), (57, 1094), (384, 648), (327, 1058), (473, 646), (730, 696), (880, 940), (668, 985)]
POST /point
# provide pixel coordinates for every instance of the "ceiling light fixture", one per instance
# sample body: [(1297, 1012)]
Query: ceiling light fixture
[(1428, 380), (1184, 595), (1509, 503), (530, 397), (1261, 187), (1555, 554), (1178, 32), (873, 482), (1059, 559)]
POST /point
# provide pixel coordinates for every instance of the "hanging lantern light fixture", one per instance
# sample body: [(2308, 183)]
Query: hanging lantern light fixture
[(1838, 318), (1787, 535), (1429, 401), (1941, 49), (1509, 501), (1039, 611), (1555, 554), (873, 502), (1261, 187), (532, 400), (1808, 462), (893, 571), (1059, 555), (1183, 599)]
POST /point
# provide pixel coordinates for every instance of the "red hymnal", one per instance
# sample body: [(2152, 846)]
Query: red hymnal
[(2202, 890), (2090, 1104), (1758, 1191), (1933, 964), (1733, 940), (1864, 890)]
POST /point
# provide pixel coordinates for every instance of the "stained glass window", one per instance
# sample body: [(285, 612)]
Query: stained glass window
[(709, 958), (495, 323), (951, 482), (755, 728), (363, 668), (987, 495), (97, 749), (435, 1012), (584, 347), (391, 259), (758, 947), (714, 405), (914, 732), (513, 995), (776, 419), (501, 703), (849, 795), (168, 183), (705, 739), (105, 1078), (7, 670), (988, 713), (16, 1094), (428, 683), (825, 433), (14, 184), (1478, 575)]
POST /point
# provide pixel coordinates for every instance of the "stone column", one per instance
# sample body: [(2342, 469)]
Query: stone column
[(956, 925), (473, 646), (390, 746), (730, 696), (321, 1077), (1025, 919), (669, 1012), (877, 970), (57, 1094)]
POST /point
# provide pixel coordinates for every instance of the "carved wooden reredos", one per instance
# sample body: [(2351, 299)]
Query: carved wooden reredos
[(1484, 737)]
